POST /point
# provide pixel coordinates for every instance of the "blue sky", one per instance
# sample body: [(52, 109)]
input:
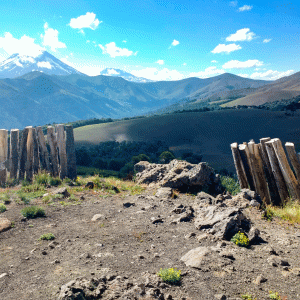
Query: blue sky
[(158, 39)]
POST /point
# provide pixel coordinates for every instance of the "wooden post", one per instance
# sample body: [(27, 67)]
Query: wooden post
[(70, 148), (281, 185), (43, 149), (23, 153), (290, 148), (61, 143), (275, 196), (246, 164), (53, 150), (29, 160), (14, 153), (3, 154), (239, 166), (286, 170), (36, 155)]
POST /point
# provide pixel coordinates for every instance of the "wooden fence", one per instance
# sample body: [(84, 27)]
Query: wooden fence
[(23, 156), (264, 168)]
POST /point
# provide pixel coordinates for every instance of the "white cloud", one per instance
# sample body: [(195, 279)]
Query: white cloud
[(124, 41), (155, 74), (88, 20), (209, 72), (44, 64), (175, 43), (241, 35), (88, 41), (271, 75), (226, 48), (233, 3), (243, 75), (214, 61), (160, 62), (184, 64), (245, 8), (112, 50), (267, 40), (50, 38), (235, 64), (88, 69), (24, 46)]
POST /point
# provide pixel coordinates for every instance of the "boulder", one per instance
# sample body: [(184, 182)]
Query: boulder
[(164, 192), (5, 224), (62, 191), (179, 175)]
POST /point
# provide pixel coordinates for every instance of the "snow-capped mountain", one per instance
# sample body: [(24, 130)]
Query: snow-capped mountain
[(124, 75), (18, 65)]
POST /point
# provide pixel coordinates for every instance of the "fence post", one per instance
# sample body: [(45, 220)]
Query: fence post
[(23, 153), (290, 148), (29, 161), (36, 155), (3, 154), (43, 149), (287, 172), (281, 185), (61, 143), (14, 153), (70, 149), (247, 166), (53, 150)]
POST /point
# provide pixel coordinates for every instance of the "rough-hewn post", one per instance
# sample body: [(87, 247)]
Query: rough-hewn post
[(70, 148), (36, 155), (281, 185), (286, 170), (61, 144), (23, 153), (246, 163), (14, 153), (43, 149), (3, 154), (275, 197), (239, 166), (53, 150), (290, 149), (29, 160)]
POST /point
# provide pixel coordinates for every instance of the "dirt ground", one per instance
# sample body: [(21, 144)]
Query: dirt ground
[(130, 239)]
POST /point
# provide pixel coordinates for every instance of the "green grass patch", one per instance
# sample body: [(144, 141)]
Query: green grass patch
[(47, 236), (170, 275), (95, 171), (5, 197), (230, 184), (2, 208), (248, 297), (31, 212)]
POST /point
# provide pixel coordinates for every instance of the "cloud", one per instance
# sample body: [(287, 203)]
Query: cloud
[(208, 72), (233, 3), (184, 64), (235, 64), (44, 64), (85, 68), (24, 46), (241, 35), (267, 40), (271, 75), (160, 62), (124, 41), (243, 75), (226, 48), (50, 38), (88, 20), (245, 8), (214, 61), (112, 50), (174, 43), (155, 74)]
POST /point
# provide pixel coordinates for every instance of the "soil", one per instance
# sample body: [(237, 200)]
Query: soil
[(125, 242)]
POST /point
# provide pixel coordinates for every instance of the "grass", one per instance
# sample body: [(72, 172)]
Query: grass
[(32, 212), (171, 275), (248, 297), (2, 208), (230, 184), (5, 197), (47, 236)]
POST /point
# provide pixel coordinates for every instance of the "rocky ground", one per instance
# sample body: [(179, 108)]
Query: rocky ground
[(112, 247)]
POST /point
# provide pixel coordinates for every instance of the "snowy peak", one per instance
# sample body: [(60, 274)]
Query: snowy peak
[(18, 65), (124, 75)]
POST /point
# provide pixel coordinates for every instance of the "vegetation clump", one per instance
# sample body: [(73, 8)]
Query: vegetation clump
[(32, 212), (170, 275), (248, 297), (230, 184), (47, 236), (274, 296), (2, 208), (240, 239)]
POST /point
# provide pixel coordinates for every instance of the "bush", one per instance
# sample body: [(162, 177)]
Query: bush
[(32, 212), (166, 157), (54, 181), (171, 275), (47, 237), (230, 184), (240, 239), (248, 297), (274, 295), (5, 198), (2, 208), (41, 178)]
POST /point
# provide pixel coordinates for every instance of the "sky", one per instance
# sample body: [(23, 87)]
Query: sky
[(158, 39)]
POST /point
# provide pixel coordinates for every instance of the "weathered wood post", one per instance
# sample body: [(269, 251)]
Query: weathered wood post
[(44, 154), (286, 170), (290, 148), (29, 160), (3, 154), (281, 185), (275, 196), (14, 153), (61, 143), (36, 155), (53, 150), (23, 153), (243, 153), (70, 149)]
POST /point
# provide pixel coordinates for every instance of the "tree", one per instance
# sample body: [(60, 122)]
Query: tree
[(166, 157)]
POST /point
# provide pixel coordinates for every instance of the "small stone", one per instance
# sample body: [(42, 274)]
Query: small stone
[(227, 254), (259, 279), (81, 198), (44, 252), (220, 297), (128, 204), (141, 256), (63, 191), (97, 217), (3, 275), (90, 185), (53, 244), (156, 220), (169, 297), (254, 203), (253, 234), (190, 235), (5, 224)]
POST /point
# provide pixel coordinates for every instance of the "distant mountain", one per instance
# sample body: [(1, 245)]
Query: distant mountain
[(18, 65), (124, 75)]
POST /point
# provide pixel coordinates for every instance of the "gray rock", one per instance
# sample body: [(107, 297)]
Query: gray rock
[(220, 297), (253, 234), (248, 194), (128, 204), (156, 220), (62, 191), (97, 217), (260, 279), (254, 203), (164, 192)]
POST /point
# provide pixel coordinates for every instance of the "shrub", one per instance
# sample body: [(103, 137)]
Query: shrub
[(54, 181), (171, 275), (5, 198), (2, 208), (248, 297), (268, 214), (274, 295), (47, 237), (230, 184), (32, 212), (41, 178), (23, 197), (240, 239), (166, 157)]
